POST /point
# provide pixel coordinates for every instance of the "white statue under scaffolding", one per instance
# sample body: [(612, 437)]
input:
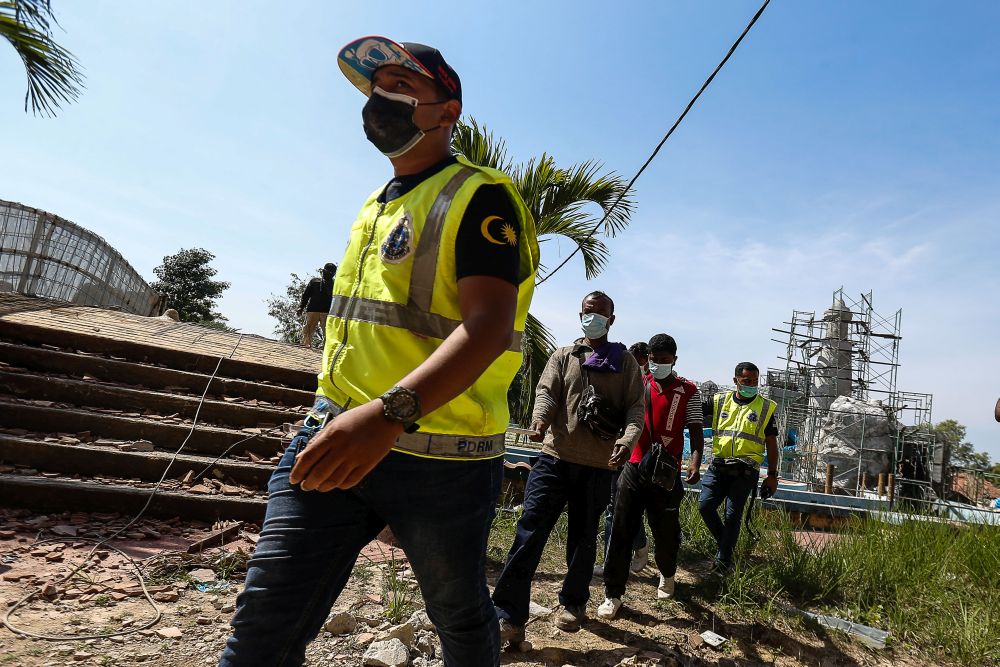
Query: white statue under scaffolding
[(838, 404)]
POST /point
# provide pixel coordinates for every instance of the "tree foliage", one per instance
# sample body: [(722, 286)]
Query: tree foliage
[(186, 279), (963, 454), (285, 310), (54, 75), (565, 202)]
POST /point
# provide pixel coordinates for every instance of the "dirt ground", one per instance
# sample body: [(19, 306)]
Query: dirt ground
[(196, 595)]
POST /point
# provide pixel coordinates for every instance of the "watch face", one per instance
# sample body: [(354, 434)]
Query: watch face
[(403, 406)]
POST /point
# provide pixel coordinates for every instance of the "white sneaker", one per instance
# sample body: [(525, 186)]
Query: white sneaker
[(609, 608), (598, 570), (640, 559), (665, 590)]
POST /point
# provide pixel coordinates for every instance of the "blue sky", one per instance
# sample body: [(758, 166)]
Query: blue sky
[(852, 143)]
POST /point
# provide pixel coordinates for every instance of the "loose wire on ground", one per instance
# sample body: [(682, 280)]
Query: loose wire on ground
[(87, 561)]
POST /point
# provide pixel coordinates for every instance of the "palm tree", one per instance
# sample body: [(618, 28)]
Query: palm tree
[(54, 74), (561, 201)]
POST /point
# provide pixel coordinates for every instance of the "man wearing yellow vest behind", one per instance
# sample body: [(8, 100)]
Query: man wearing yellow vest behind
[(422, 342), (742, 429)]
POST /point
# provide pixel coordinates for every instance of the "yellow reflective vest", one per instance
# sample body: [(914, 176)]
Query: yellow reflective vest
[(738, 430), (395, 299)]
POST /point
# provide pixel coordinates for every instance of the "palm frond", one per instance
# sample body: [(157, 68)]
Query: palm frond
[(479, 146), (577, 227), (582, 183), (54, 75), (562, 203), (534, 180)]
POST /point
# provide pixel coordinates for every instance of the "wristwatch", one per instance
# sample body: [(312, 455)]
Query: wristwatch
[(402, 405)]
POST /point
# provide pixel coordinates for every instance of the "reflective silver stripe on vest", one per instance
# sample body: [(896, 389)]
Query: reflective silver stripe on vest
[(416, 315), (452, 446), (397, 315), (425, 258), (764, 417), (742, 435)]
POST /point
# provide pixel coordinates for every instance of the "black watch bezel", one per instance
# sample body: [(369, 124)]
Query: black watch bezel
[(401, 405)]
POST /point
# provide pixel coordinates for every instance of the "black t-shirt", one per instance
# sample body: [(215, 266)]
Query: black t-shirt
[(770, 429), (317, 296), (488, 234)]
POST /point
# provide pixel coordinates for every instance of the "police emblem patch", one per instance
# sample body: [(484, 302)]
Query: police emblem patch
[(752, 417), (399, 243)]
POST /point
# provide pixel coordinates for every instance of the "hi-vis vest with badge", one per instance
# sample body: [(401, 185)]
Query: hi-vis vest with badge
[(738, 430), (395, 299)]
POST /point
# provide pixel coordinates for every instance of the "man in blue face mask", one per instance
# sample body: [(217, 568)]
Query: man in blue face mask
[(589, 413), (743, 429)]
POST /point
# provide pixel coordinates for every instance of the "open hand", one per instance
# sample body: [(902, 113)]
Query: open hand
[(619, 455), (340, 455)]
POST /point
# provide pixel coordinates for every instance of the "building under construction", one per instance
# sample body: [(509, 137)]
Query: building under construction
[(844, 426)]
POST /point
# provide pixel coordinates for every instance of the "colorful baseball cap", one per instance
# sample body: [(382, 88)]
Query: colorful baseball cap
[(359, 59)]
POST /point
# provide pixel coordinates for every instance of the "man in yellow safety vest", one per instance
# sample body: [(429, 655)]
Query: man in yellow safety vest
[(423, 339), (742, 430)]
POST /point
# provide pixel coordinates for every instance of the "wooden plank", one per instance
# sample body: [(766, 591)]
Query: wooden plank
[(106, 461), (205, 439), (149, 376), (157, 339), (216, 538), (45, 495), (94, 394)]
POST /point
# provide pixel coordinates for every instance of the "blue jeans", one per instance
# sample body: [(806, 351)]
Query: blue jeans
[(731, 484), (440, 511), (639, 541), (552, 485)]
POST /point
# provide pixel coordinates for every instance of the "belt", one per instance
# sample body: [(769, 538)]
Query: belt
[(434, 445), (723, 462)]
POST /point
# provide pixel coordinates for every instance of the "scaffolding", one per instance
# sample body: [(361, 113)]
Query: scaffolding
[(852, 350), (44, 255)]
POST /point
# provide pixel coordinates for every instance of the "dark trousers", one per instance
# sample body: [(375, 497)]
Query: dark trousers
[(440, 511), (637, 494), (731, 484), (552, 485), (640, 535)]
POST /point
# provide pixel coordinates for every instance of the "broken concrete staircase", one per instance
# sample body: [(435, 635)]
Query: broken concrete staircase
[(90, 422)]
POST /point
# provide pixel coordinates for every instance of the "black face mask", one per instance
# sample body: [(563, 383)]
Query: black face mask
[(388, 122)]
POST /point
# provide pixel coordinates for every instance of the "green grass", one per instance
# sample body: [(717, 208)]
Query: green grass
[(397, 594), (935, 587)]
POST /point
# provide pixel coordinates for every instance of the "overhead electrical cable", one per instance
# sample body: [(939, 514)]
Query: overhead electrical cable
[(673, 127)]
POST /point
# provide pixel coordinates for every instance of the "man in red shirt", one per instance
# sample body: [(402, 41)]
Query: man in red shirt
[(651, 486)]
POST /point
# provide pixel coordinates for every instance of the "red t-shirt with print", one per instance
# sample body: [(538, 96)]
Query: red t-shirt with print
[(669, 408)]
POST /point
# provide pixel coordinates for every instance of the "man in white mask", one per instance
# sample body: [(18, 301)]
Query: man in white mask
[(650, 482), (588, 411)]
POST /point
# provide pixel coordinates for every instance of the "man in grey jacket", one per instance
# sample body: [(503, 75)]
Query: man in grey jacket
[(575, 466)]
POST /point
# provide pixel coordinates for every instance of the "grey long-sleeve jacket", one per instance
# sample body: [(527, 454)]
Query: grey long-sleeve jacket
[(557, 397)]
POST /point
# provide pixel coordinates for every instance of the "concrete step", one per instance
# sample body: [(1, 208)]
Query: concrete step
[(95, 459), (47, 360), (42, 494), (100, 395), (205, 439), (130, 350)]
